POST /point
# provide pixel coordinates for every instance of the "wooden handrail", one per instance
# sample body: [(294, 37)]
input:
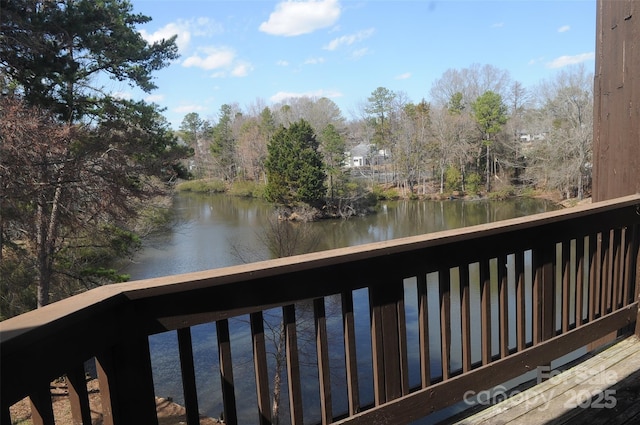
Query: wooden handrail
[(107, 322)]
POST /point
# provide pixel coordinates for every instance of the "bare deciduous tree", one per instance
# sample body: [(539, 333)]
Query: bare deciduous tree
[(562, 160)]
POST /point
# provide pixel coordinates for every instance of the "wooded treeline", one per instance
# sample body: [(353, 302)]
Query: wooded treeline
[(480, 132), (82, 172)]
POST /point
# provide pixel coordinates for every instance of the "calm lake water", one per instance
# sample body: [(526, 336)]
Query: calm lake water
[(215, 231), (218, 230)]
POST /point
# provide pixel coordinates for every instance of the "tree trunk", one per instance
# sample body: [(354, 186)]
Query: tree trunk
[(488, 170), (46, 243), (580, 187), (41, 246)]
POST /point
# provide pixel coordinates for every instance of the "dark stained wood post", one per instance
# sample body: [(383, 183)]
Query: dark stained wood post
[(616, 132), (521, 317), (126, 383), (351, 362), (485, 311), (388, 342), (78, 395), (616, 147), (465, 307), (226, 372), (423, 330), (322, 351), (188, 376), (261, 368), (41, 408), (444, 284), (293, 364)]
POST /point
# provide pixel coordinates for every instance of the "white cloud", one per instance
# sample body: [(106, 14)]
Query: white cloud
[(282, 63), (564, 28), (404, 76), (283, 95), (570, 60), (168, 31), (184, 29), (221, 59), (301, 17), (349, 39), (241, 69), (314, 61), (498, 25), (357, 54), (213, 58), (205, 27)]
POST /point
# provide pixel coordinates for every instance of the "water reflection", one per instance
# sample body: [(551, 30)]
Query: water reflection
[(217, 231)]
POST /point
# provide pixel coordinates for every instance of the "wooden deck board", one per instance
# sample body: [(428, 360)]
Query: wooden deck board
[(602, 389)]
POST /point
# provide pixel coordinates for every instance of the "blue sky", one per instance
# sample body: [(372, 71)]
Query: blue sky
[(242, 51)]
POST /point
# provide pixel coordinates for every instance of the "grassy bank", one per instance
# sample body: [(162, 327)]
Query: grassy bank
[(242, 188)]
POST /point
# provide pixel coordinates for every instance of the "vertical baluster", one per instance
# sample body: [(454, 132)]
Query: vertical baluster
[(126, 383), (402, 345), (594, 272), (521, 329), (187, 368), (624, 265), (485, 310), (634, 271), (548, 292), (444, 285), (322, 351), (503, 305), (377, 349), (543, 293), (616, 291), (465, 307), (5, 416), (605, 278), (103, 370), (579, 280), (350, 355), (423, 330), (41, 407), (566, 282), (630, 253), (226, 372), (78, 395), (536, 303), (260, 368), (293, 366), (388, 356)]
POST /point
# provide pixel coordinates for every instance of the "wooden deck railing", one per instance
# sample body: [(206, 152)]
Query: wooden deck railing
[(509, 296)]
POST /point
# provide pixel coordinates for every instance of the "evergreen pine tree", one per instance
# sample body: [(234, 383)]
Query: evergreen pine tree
[(295, 170)]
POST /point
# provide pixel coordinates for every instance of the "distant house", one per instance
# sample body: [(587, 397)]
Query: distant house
[(528, 137), (365, 154), (359, 156), (525, 137)]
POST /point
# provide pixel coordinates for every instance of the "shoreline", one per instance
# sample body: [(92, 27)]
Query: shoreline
[(168, 411)]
